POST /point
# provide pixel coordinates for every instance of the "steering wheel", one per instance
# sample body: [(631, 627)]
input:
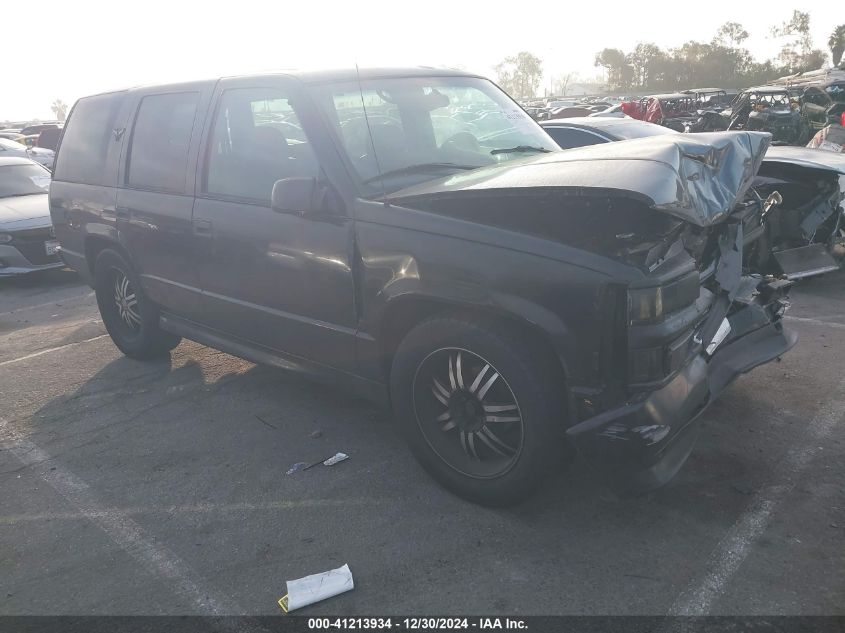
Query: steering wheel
[(462, 141)]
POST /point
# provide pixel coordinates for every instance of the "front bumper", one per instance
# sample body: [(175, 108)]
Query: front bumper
[(13, 262), (641, 445)]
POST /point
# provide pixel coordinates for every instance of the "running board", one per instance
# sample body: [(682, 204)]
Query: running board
[(806, 261)]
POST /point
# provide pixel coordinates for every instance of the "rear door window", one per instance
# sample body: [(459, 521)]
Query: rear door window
[(158, 154), (87, 136)]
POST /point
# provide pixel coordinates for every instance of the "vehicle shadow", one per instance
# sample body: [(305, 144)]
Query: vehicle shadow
[(201, 392), (41, 280)]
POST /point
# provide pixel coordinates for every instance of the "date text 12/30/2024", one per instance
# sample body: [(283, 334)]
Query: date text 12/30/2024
[(417, 624)]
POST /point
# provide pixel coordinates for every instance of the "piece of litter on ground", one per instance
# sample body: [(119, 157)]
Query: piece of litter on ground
[(297, 466), (316, 434), (317, 587), (339, 457)]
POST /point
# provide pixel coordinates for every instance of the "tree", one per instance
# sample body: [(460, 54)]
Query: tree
[(562, 82), (798, 54), (730, 34), (643, 61), (520, 75), (620, 74), (836, 43), (59, 108)]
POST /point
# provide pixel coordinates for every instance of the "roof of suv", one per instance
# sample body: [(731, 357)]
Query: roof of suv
[(766, 89), (322, 76)]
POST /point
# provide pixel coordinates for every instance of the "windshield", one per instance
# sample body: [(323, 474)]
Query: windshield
[(23, 180), (776, 99), (400, 132)]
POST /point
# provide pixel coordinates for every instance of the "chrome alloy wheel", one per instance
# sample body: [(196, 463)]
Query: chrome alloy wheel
[(126, 301), (468, 413)]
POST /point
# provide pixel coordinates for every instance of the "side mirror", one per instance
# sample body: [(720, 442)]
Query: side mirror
[(293, 195)]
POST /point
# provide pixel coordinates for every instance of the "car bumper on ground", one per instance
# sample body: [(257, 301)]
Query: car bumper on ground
[(642, 445)]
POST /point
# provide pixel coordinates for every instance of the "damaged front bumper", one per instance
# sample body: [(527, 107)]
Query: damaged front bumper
[(641, 445)]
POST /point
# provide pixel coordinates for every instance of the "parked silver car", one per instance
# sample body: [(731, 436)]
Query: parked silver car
[(27, 243), (40, 155)]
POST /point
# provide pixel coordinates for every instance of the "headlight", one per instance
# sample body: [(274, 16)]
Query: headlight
[(645, 304), (5, 238)]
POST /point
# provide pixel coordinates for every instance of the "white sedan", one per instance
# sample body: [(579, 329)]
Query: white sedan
[(26, 231)]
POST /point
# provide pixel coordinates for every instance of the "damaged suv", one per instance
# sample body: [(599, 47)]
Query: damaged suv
[(510, 301)]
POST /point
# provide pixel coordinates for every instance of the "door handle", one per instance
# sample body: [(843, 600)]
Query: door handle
[(202, 227)]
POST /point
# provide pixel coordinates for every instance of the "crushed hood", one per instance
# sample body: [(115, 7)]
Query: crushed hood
[(698, 178)]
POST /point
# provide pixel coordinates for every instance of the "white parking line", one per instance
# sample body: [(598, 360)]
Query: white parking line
[(201, 508), (50, 350), (47, 304), (732, 550), (122, 530), (815, 321)]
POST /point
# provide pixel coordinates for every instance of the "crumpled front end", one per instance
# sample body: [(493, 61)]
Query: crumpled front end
[(697, 322)]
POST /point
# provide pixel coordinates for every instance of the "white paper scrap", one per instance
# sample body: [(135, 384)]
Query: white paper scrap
[(311, 589), (334, 459)]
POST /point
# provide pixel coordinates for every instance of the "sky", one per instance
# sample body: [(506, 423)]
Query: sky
[(72, 48)]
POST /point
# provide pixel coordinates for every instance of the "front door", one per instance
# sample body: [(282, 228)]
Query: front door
[(279, 280)]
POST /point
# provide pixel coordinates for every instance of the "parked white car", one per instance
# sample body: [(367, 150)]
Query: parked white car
[(27, 242), (40, 155)]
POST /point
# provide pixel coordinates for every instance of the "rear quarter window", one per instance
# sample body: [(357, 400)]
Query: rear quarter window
[(85, 143)]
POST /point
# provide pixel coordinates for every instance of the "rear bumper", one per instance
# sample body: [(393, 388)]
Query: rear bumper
[(642, 444)]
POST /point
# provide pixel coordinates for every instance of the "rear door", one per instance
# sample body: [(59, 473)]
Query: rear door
[(279, 280), (155, 198)]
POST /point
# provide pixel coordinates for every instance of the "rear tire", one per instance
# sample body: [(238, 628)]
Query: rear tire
[(131, 319), (494, 443)]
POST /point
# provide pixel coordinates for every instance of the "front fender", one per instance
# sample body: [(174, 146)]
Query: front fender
[(423, 273)]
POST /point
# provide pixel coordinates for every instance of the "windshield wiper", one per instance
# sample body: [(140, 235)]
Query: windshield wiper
[(520, 149), (410, 169)]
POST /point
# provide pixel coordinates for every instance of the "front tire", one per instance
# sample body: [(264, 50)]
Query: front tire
[(480, 408), (131, 319)]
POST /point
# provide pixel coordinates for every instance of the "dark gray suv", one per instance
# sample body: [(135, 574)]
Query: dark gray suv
[(416, 234)]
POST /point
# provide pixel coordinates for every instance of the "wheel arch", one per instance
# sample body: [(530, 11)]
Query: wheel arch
[(95, 243), (544, 331)]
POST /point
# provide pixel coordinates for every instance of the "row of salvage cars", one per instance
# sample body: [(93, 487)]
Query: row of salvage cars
[(792, 115), (799, 230)]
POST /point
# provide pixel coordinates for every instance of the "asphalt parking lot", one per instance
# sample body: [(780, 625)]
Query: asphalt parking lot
[(133, 488)]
